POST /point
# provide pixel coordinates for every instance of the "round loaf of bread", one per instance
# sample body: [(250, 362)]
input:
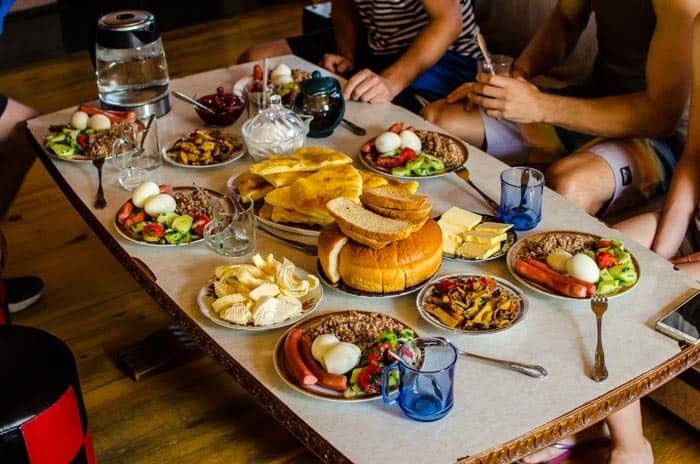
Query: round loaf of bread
[(399, 265)]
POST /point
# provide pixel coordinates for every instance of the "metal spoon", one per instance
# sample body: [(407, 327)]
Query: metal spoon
[(531, 370), (192, 101), (463, 173)]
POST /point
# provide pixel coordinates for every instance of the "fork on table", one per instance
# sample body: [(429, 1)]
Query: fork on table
[(599, 304)]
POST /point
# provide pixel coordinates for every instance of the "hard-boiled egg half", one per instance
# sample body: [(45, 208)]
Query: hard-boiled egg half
[(387, 141), (143, 192), (160, 204), (335, 356), (583, 267), (409, 139)]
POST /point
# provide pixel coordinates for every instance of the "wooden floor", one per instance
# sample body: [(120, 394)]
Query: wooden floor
[(195, 413)]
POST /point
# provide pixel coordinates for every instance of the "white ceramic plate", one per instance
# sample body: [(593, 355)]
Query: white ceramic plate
[(309, 303), (127, 236), (373, 167), (234, 156), (316, 391), (505, 285), (514, 251)]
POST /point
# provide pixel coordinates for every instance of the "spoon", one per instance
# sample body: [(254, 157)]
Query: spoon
[(531, 370), (100, 201), (192, 101), (524, 182), (463, 173)]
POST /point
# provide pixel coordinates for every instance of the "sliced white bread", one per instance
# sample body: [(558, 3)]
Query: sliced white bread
[(394, 197), (330, 243), (367, 227), (405, 214)]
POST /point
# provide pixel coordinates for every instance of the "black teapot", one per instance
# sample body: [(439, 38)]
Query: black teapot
[(321, 98)]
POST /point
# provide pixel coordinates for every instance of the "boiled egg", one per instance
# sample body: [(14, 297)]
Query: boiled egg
[(409, 139), (280, 70), (79, 120), (341, 358), (160, 204), (143, 192), (388, 141), (322, 344), (99, 122), (557, 260), (582, 267)]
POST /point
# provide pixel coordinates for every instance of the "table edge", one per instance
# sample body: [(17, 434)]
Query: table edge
[(547, 434)]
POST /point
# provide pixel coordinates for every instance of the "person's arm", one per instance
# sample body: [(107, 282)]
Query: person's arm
[(684, 194), (427, 48), (554, 38), (346, 24), (653, 112)]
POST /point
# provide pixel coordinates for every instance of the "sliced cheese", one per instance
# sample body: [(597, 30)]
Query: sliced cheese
[(482, 236), (477, 250), (497, 227), (239, 313), (450, 243), (460, 217)]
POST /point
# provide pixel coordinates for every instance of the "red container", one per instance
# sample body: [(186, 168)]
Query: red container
[(228, 108)]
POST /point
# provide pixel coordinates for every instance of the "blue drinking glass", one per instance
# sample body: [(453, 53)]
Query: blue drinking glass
[(425, 379), (521, 197)]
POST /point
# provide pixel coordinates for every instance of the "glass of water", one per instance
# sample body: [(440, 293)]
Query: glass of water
[(129, 176), (232, 233), (149, 157), (521, 197)]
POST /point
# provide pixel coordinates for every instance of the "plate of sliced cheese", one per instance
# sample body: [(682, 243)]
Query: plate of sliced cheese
[(291, 192), (469, 236), (264, 294)]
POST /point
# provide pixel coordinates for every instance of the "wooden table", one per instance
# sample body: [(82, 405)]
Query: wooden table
[(498, 415)]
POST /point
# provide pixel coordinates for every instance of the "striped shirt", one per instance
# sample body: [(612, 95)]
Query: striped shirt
[(392, 25)]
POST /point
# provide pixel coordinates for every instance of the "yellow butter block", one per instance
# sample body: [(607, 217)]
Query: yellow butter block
[(483, 236), (449, 228), (450, 243), (497, 227), (477, 250), (460, 217)]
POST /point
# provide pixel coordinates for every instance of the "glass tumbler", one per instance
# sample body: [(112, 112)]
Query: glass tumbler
[(232, 233), (521, 197), (502, 65), (426, 368), (129, 176), (149, 156)]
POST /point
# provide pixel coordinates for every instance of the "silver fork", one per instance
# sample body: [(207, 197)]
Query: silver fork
[(599, 304)]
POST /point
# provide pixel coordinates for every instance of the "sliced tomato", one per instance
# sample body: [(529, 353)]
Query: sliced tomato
[(153, 232), (199, 222), (605, 259), (82, 140)]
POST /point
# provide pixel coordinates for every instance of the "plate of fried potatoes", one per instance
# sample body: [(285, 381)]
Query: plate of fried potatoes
[(203, 148), (471, 304)]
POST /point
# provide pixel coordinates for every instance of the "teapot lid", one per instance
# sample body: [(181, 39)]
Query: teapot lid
[(275, 124), (126, 29), (318, 85)]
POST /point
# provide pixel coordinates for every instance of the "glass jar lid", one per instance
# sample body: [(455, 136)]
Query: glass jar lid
[(275, 124)]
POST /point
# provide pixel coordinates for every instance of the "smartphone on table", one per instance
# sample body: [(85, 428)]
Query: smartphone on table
[(683, 322)]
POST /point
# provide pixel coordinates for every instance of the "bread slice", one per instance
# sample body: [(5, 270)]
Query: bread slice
[(360, 223), (330, 243), (394, 197), (405, 214)]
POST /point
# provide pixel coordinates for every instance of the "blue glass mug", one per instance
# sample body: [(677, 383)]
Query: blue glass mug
[(425, 379)]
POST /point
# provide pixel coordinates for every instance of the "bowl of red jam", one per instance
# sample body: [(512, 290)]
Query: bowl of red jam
[(227, 108)]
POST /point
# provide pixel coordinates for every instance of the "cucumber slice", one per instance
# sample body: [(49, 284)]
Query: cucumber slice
[(182, 224), (166, 219), (61, 149), (173, 236)]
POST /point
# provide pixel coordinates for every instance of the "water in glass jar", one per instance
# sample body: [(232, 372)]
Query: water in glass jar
[(132, 77)]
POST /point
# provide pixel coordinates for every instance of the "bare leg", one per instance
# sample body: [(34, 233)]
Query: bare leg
[(628, 443), (467, 125), (598, 430), (265, 50), (641, 229), (583, 178)]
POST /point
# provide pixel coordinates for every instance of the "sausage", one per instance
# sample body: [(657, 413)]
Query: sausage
[(112, 115), (135, 218), (547, 280), (367, 148), (257, 72), (125, 211), (166, 188), (396, 127), (335, 382), (299, 371), (590, 288)]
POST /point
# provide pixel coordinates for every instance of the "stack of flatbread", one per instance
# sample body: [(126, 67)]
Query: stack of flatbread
[(296, 188)]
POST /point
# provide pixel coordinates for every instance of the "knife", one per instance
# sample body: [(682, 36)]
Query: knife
[(352, 127)]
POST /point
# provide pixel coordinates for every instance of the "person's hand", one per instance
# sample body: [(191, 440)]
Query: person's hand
[(367, 86), (462, 93), (514, 99), (336, 63)]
